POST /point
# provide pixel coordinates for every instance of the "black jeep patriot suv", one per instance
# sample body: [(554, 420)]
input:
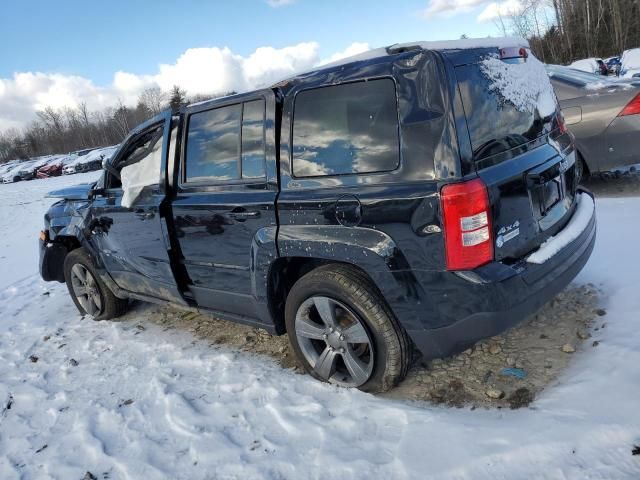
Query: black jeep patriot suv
[(421, 196)]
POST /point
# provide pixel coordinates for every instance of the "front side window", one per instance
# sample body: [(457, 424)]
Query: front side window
[(344, 129), (139, 166)]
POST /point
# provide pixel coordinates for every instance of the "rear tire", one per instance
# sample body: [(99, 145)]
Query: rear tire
[(343, 332), (90, 294), (582, 171)]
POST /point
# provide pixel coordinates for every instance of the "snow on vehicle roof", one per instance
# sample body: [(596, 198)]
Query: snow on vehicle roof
[(464, 43), (586, 64), (96, 154), (631, 59), (588, 80)]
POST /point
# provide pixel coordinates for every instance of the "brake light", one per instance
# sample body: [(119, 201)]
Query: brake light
[(513, 52), (632, 108), (467, 225), (562, 127)]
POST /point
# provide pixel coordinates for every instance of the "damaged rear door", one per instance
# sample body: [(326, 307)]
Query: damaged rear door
[(128, 225)]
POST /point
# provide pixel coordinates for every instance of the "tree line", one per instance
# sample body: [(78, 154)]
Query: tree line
[(561, 31), (66, 130)]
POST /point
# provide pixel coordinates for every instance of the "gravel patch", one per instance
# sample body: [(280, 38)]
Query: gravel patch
[(506, 371)]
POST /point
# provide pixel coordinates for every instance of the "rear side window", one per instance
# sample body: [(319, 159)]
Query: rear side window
[(253, 139), (226, 143), (343, 129)]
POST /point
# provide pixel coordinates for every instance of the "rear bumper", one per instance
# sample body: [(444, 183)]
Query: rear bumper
[(498, 297)]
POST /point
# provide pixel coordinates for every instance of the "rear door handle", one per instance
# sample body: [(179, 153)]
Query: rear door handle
[(145, 215), (243, 215)]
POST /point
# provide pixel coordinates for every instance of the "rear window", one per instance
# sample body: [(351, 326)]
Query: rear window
[(495, 124), (348, 128)]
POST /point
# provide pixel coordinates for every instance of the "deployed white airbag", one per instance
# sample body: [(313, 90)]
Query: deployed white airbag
[(141, 174), (568, 234)]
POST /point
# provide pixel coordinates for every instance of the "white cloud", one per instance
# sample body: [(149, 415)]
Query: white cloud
[(279, 3), (496, 10), (450, 7), (351, 50), (210, 70)]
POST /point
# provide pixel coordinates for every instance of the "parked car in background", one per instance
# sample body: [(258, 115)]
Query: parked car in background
[(630, 63), (591, 65), (396, 200), (29, 172), (29, 168), (53, 167), (90, 161), (93, 160), (13, 174), (613, 64), (5, 167), (69, 169), (603, 115)]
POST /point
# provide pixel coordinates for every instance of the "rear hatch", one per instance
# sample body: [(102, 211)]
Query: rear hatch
[(518, 146)]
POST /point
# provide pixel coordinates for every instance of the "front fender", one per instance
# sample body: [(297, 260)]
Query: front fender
[(64, 221), (67, 219)]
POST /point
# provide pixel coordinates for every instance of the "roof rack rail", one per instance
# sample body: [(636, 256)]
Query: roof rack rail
[(402, 48)]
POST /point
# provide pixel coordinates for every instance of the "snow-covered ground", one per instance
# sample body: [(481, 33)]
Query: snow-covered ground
[(127, 400)]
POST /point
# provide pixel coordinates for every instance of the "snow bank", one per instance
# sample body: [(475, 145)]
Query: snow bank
[(569, 233), (630, 62), (143, 402), (139, 175), (631, 58), (525, 85)]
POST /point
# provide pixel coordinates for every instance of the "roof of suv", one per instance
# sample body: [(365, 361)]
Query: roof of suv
[(462, 44), (451, 47)]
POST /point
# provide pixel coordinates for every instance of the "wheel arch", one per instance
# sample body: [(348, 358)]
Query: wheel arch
[(304, 248)]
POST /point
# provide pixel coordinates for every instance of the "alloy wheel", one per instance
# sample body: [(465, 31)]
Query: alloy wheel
[(86, 290), (334, 341)]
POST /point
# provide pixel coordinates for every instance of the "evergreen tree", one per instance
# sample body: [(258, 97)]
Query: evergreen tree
[(178, 98)]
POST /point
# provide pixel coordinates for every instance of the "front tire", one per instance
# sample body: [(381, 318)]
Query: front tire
[(343, 332), (88, 291)]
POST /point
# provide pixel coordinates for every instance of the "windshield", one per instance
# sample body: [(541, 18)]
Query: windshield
[(495, 124)]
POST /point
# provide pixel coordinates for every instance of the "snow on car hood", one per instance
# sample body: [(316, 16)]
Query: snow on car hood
[(525, 85)]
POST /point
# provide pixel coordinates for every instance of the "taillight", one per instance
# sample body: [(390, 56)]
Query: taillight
[(561, 125), (632, 108), (467, 225)]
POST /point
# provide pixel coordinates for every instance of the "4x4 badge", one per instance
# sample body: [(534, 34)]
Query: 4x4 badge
[(507, 233)]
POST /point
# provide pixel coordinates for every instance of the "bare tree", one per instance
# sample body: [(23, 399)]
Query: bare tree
[(154, 99)]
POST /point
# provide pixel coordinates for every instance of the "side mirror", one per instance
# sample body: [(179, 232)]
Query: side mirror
[(97, 192)]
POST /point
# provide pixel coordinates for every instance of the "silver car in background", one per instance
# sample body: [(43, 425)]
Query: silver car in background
[(603, 115)]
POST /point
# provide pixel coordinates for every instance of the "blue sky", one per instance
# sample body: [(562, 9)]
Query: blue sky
[(95, 39), (61, 53)]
